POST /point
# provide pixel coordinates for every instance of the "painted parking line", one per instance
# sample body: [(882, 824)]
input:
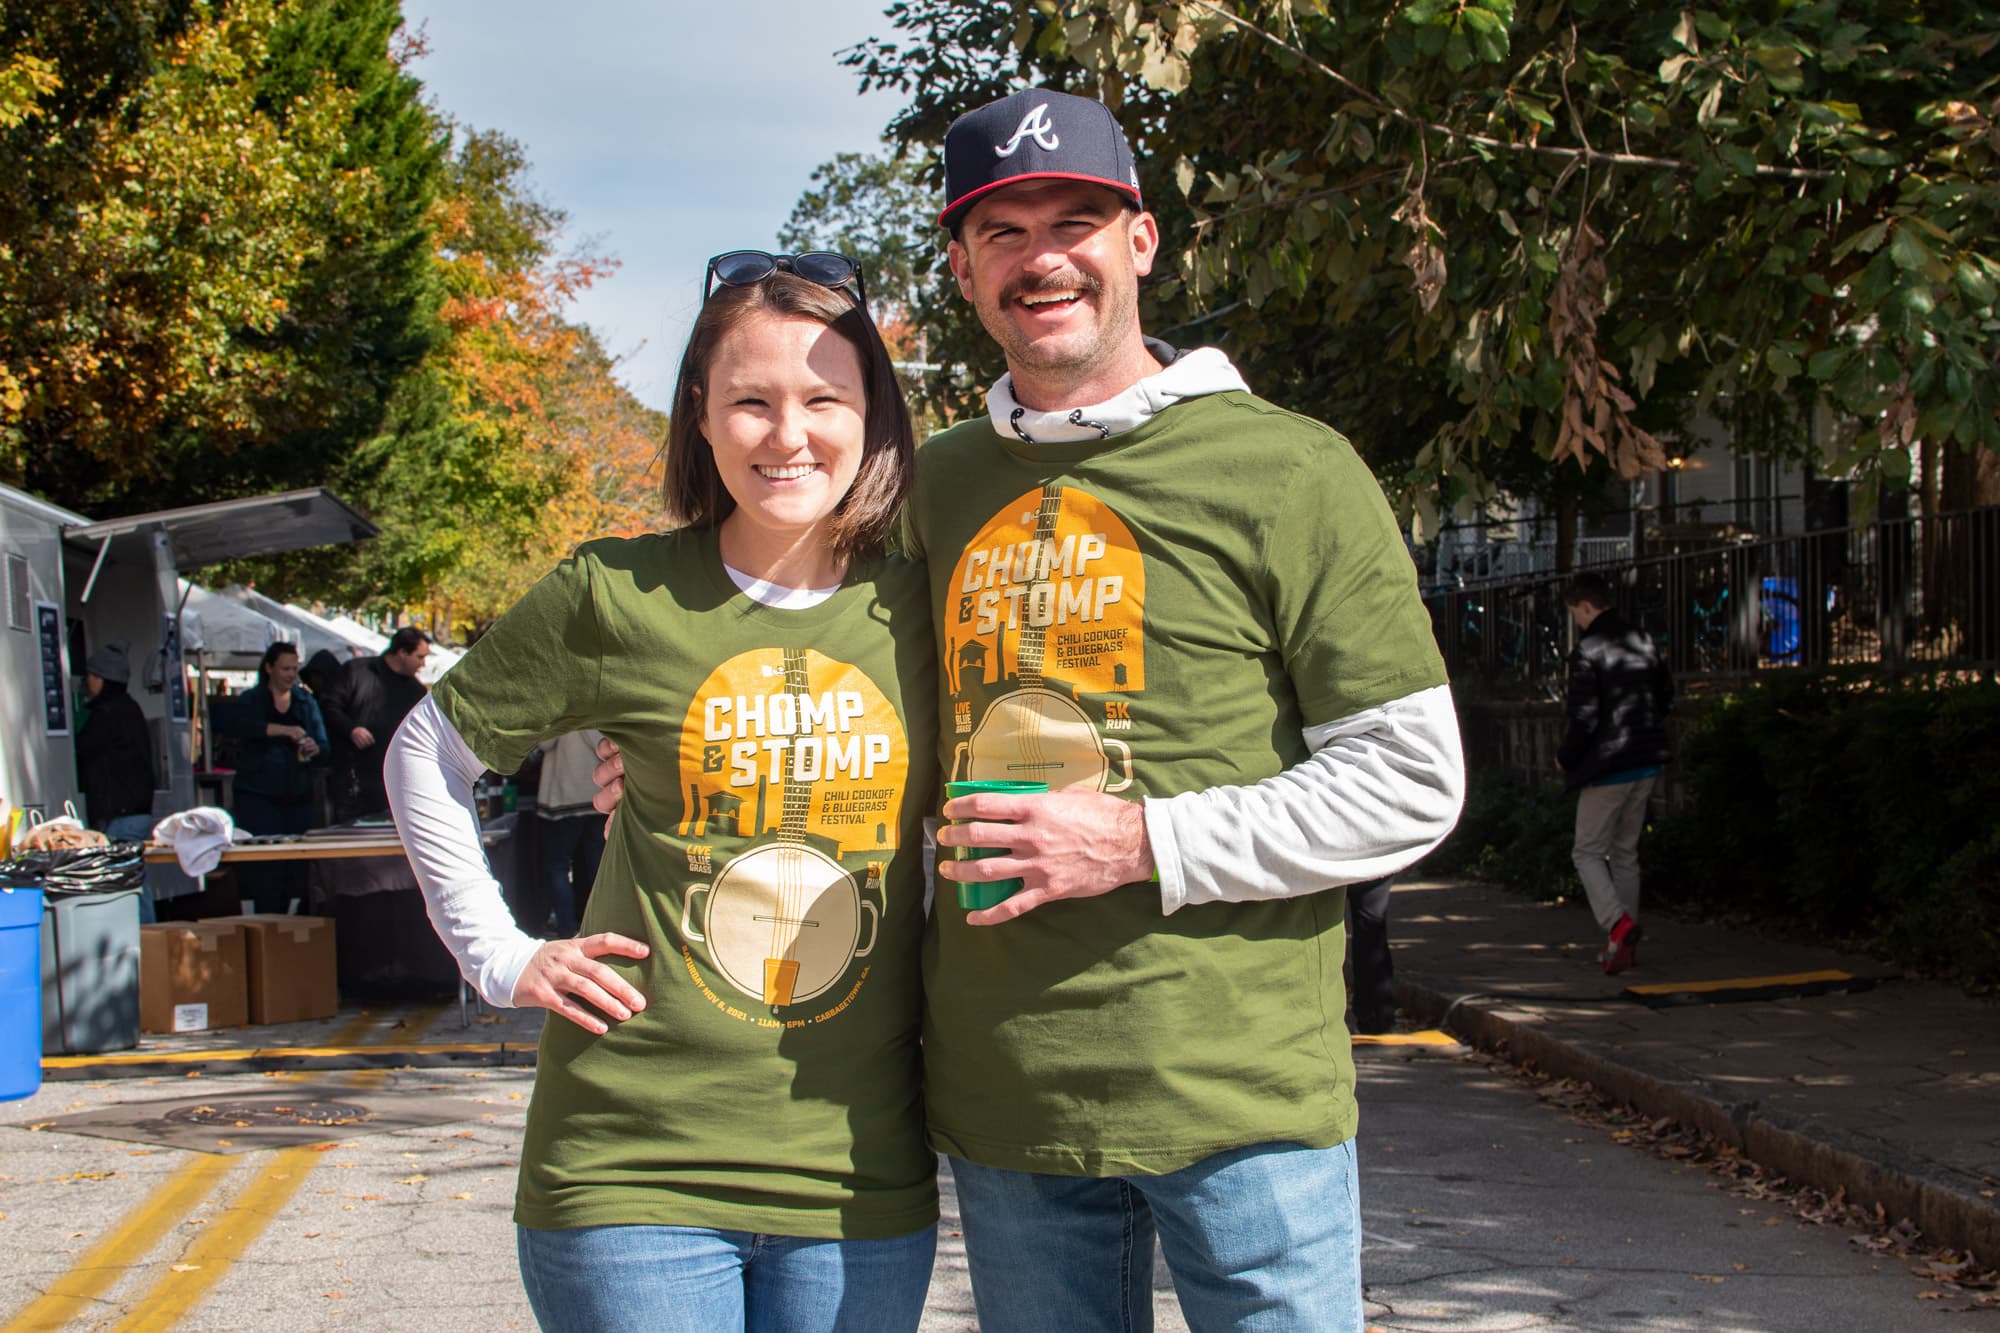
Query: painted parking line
[(1427, 1037), (1743, 990), (221, 1242), (1740, 983), (179, 1281), (73, 1295)]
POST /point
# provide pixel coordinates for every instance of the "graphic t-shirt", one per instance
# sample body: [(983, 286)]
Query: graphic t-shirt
[(1156, 613), (768, 850)]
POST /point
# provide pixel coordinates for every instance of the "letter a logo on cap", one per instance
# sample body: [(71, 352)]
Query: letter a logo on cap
[(1035, 125)]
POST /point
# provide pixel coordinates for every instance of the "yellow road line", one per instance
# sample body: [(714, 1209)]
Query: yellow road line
[(229, 1053), (71, 1295), (1428, 1037), (420, 1020), (187, 1279), (222, 1242), (1739, 983)]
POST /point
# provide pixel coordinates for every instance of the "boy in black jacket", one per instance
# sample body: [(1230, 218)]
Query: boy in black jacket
[(1613, 753)]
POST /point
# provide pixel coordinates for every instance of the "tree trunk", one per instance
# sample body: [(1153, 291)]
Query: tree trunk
[(1565, 534)]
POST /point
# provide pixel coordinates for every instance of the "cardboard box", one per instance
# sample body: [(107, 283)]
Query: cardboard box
[(291, 966), (191, 977)]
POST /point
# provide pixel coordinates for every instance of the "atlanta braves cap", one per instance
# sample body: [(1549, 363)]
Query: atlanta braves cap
[(1033, 135)]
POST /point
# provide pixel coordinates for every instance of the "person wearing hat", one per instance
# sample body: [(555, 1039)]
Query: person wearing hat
[(1204, 629), (114, 753), (1190, 612)]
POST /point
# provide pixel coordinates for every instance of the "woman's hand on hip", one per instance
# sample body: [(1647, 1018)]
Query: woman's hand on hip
[(564, 976)]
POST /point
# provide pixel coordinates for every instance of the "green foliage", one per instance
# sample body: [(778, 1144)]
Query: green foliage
[(1862, 811), (1512, 836), (1482, 237), (212, 245), (876, 208)]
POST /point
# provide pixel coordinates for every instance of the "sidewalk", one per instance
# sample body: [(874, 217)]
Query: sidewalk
[(1891, 1092)]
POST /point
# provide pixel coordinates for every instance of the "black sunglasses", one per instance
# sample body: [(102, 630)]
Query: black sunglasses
[(747, 268)]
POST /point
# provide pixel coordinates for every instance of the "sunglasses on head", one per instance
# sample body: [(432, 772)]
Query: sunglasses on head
[(747, 268)]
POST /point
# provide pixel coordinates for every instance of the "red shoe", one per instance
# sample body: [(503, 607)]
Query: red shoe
[(1623, 950)]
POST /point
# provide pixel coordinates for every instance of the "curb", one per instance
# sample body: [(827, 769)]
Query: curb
[(273, 1059), (1937, 1199)]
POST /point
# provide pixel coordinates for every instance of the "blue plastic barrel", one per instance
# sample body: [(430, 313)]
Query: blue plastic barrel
[(20, 993), (1781, 619)]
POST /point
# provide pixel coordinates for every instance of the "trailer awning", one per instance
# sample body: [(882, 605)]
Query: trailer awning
[(237, 529)]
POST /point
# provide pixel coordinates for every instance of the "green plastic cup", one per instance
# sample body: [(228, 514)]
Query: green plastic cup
[(978, 897)]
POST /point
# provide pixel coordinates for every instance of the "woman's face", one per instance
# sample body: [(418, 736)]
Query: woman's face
[(785, 411), (284, 671)]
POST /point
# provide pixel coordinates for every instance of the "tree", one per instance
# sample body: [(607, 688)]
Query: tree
[(514, 442), (152, 234), (1485, 241)]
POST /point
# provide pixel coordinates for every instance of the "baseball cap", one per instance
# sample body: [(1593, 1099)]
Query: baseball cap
[(1039, 134)]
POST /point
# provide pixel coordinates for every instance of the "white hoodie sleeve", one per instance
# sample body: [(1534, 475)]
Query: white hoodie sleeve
[(429, 772), (1381, 788)]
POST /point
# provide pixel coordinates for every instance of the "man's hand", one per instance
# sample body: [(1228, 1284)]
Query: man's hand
[(609, 775), (1068, 844), (362, 737), (563, 972)]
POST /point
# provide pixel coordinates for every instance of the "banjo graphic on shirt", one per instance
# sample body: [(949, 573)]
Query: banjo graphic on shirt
[(783, 920), (1063, 586)]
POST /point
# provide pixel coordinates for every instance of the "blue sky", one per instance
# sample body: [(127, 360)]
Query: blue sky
[(667, 131)]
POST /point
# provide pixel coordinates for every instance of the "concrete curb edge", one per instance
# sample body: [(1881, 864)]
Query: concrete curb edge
[(1817, 1154)]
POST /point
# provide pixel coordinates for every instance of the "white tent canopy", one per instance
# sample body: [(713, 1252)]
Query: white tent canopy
[(228, 635), (308, 631)]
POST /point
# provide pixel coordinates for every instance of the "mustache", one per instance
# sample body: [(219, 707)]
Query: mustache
[(1060, 282)]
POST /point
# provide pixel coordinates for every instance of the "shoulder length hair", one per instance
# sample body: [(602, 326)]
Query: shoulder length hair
[(693, 490)]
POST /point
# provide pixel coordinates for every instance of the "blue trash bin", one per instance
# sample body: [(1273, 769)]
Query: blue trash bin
[(20, 993), (1781, 619)]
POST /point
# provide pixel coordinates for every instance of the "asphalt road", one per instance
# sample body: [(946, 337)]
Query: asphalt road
[(1484, 1210)]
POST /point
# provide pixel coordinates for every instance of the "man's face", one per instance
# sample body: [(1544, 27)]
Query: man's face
[(1053, 269), (410, 663)]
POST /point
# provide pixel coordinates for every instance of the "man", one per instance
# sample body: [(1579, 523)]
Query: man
[(363, 708), (571, 833), (1150, 584), (1613, 753), (114, 749)]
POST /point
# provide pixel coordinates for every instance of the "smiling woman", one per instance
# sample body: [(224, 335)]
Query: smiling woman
[(730, 1118)]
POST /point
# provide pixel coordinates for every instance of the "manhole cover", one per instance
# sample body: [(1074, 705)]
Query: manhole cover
[(270, 1120), (264, 1114)]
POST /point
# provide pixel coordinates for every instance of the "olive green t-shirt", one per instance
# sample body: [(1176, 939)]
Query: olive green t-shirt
[(1156, 613), (768, 850)]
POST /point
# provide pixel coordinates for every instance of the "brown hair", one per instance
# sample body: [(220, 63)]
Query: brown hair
[(693, 488)]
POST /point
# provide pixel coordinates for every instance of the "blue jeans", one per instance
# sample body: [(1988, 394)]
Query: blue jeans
[(1260, 1238), (649, 1279)]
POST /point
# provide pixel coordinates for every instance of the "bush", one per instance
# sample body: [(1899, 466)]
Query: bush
[(1857, 809), (1853, 808)]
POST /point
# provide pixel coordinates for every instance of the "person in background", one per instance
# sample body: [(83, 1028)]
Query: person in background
[(279, 734), (114, 749), (364, 706), (1613, 753), (1373, 1010), (319, 673), (114, 755), (572, 832)]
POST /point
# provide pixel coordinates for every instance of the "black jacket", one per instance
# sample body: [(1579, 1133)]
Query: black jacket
[(114, 757), (1619, 695), (367, 694)]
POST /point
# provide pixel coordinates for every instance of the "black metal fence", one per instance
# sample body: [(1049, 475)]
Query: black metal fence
[(1898, 593)]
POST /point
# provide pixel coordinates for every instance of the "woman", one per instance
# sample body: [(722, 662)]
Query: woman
[(726, 1131), (279, 733)]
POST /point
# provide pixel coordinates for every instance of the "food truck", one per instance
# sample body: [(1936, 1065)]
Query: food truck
[(73, 584)]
